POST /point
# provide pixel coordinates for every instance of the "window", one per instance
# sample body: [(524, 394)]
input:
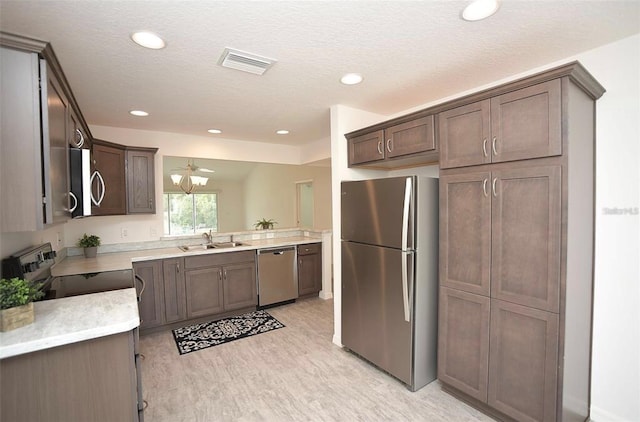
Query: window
[(190, 214)]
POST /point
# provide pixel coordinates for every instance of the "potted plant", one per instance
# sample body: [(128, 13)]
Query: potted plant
[(16, 302), (90, 244), (265, 224)]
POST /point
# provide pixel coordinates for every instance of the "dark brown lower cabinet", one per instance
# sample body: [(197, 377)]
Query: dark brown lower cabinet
[(463, 349), (93, 380), (175, 307), (150, 292), (240, 290), (309, 269), (181, 289), (523, 367), (204, 291)]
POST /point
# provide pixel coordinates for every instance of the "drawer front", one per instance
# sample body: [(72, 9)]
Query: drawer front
[(215, 259), (308, 249)]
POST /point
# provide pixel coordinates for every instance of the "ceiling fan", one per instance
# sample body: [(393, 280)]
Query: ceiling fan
[(188, 181), (193, 167)]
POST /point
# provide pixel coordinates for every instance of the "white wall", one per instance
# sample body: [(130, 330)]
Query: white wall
[(616, 329), (273, 188)]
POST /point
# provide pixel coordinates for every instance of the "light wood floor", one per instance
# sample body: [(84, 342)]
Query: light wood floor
[(292, 374)]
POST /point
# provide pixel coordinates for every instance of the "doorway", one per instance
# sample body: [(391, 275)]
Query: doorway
[(304, 204)]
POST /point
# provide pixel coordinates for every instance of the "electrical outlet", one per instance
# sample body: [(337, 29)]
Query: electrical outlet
[(123, 232)]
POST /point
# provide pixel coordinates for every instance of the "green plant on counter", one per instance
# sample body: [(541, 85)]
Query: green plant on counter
[(265, 224), (89, 241), (17, 292)]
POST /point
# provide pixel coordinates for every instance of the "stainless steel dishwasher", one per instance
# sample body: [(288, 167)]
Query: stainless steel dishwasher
[(277, 275)]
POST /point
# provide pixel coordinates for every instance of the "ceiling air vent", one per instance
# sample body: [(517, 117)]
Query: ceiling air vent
[(247, 62)]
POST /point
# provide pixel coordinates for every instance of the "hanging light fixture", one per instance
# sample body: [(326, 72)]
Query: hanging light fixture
[(188, 182)]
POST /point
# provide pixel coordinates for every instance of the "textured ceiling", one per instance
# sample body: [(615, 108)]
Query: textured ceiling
[(410, 52)]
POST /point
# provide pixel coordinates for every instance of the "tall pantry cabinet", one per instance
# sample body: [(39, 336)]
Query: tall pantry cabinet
[(516, 246)]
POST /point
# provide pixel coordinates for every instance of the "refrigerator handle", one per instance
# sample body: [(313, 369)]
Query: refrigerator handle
[(405, 234), (405, 213), (405, 286)]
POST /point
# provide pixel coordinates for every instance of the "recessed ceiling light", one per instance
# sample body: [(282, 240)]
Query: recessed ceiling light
[(480, 9), (214, 131), (148, 39), (351, 79), (282, 132), (139, 113)]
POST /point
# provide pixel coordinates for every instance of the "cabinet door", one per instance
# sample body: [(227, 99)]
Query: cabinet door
[(174, 290), (523, 364), (410, 137), (151, 304), (239, 286), (527, 123), (204, 291), (526, 219), (366, 148), (109, 162), (140, 182), (465, 135), (56, 163), (465, 232), (309, 274), (463, 341)]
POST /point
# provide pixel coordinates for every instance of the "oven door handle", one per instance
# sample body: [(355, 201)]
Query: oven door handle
[(144, 284)]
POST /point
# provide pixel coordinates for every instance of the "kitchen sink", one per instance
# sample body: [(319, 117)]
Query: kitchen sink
[(215, 245), (227, 244), (186, 248)]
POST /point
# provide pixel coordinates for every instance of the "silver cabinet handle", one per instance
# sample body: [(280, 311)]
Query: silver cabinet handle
[(484, 147), (493, 146), (484, 187), (220, 275), (144, 285), (380, 148), (80, 140), (101, 190), (225, 274), (493, 187), (75, 202), (177, 268), (389, 144)]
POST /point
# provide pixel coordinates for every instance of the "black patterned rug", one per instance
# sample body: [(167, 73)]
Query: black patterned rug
[(200, 336)]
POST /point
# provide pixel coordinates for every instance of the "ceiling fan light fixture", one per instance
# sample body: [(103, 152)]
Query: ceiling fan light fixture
[(480, 9), (187, 182), (148, 39)]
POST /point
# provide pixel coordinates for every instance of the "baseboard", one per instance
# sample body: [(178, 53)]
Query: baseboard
[(325, 295), (601, 415)]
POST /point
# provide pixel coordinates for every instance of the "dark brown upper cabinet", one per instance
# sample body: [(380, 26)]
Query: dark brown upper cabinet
[(517, 125), (140, 180), (394, 144), (108, 183)]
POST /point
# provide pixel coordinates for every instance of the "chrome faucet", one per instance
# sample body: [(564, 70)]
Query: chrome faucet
[(207, 236)]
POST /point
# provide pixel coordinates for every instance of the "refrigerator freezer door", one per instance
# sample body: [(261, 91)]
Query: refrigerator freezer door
[(373, 323), (372, 212)]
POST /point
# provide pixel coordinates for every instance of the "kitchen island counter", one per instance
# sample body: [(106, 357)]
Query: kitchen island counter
[(73, 319)]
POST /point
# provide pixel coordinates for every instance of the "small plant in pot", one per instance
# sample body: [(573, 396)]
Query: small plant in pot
[(16, 302), (90, 244), (265, 224)]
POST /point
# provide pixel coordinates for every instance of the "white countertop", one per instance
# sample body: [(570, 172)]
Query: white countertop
[(73, 319), (123, 260)]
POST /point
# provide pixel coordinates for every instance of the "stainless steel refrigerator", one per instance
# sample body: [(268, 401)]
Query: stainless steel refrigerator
[(390, 275)]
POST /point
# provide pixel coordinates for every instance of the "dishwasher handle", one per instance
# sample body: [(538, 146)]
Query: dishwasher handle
[(275, 251)]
